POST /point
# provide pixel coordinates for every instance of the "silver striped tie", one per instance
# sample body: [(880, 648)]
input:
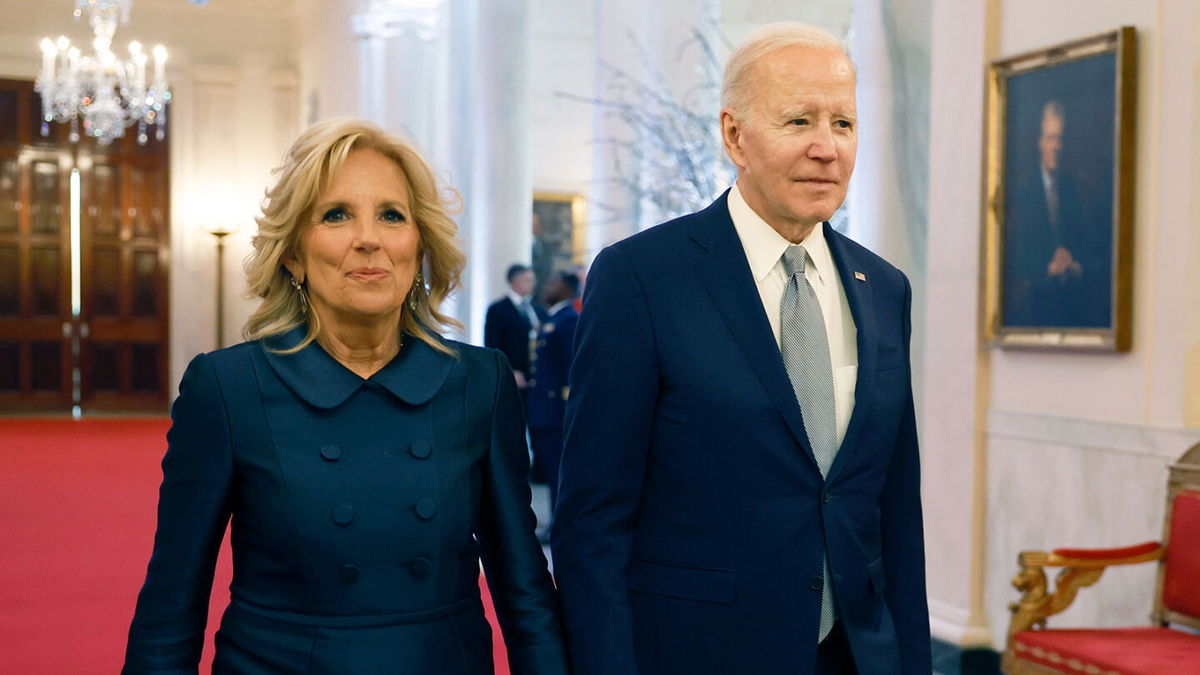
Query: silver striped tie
[(805, 350)]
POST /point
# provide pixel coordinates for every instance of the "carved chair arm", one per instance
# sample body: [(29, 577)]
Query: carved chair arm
[(1092, 557), (1081, 567)]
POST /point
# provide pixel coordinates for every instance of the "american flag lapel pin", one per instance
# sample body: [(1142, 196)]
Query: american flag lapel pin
[(860, 276)]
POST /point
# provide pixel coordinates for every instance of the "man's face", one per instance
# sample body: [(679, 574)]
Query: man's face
[(1050, 142), (795, 149), (522, 284), (555, 291)]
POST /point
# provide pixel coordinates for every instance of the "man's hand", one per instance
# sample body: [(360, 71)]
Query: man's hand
[(1063, 265), (520, 377)]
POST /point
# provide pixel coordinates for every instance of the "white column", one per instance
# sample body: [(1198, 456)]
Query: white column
[(489, 151), (371, 34), (503, 182), (953, 414)]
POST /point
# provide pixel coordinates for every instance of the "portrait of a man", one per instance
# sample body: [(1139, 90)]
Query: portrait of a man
[(1058, 231)]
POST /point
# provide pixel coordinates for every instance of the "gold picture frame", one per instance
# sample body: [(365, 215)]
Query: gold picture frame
[(1059, 193), (557, 220)]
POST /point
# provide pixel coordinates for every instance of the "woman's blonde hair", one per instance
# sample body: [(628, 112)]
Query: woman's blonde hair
[(287, 209)]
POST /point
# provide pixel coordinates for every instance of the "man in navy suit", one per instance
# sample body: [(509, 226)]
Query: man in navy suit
[(548, 386), (739, 490), (511, 324)]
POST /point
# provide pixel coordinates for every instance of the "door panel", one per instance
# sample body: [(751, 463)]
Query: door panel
[(118, 341)]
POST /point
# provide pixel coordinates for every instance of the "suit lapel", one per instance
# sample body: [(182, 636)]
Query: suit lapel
[(862, 308), (727, 278)]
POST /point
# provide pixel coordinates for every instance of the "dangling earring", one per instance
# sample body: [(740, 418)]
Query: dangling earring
[(418, 283), (296, 284)]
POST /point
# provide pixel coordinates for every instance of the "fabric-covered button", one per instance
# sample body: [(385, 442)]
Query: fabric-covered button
[(816, 583), (343, 514), (421, 449), (420, 567), (349, 573), (426, 508), (331, 453), (826, 496)]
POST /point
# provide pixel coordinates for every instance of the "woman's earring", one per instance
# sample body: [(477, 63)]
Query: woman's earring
[(418, 283), (296, 284)]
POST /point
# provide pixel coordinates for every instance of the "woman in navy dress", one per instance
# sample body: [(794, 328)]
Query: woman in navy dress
[(366, 463)]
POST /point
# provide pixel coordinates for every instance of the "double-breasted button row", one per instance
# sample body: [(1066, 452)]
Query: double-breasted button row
[(343, 514), (418, 449), (421, 449), (425, 508), (420, 567)]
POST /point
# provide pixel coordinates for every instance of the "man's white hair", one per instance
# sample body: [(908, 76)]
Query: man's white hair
[(735, 85)]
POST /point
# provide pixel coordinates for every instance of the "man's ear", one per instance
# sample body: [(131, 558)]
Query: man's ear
[(731, 134)]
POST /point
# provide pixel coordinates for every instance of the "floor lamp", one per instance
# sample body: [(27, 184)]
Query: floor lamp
[(220, 235)]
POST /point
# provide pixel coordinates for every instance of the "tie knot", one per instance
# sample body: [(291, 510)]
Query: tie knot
[(794, 259)]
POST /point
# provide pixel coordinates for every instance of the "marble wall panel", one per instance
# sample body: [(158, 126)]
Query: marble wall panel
[(1060, 482)]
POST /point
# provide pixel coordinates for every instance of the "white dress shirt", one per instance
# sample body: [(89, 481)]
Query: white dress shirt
[(764, 251), (524, 307)]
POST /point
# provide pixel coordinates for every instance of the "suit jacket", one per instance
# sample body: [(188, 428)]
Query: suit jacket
[(692, 516), (548, 394), (1031, 297), (506, 328), (360, 510)]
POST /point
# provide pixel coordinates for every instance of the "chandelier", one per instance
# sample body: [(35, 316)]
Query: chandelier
[(102, 91)]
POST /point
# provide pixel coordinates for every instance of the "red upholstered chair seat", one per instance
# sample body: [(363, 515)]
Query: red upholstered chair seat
[(1120, 651)]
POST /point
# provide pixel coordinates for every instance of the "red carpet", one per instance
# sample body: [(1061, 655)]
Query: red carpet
[(77, 505)]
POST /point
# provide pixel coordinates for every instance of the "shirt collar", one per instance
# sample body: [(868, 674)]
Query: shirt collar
[(516, 299), (414, 375), (560, 305), (765, 246)]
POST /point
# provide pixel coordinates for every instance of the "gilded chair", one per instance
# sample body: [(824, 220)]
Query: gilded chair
[(1170, 646)]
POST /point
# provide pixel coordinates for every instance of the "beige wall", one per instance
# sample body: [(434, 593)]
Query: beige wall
[(1027, 449)]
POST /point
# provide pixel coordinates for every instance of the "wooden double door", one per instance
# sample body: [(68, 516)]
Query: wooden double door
[(83, 266)]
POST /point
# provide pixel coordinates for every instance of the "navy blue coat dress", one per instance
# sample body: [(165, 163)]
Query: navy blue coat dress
[(360, 511), (692, 517)]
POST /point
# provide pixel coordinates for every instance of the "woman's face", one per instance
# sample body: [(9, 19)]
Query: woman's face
[(360, 251)]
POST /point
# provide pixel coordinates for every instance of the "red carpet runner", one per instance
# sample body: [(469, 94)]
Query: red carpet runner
[(77, 505)]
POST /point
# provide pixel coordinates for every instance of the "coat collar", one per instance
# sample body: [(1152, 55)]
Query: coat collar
[(413, 376)]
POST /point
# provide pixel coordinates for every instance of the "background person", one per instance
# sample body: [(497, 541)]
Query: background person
[(548, 392), (367, 463), (512, 321)]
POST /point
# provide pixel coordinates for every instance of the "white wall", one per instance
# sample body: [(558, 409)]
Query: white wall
[(561, 62), (1035, 450)]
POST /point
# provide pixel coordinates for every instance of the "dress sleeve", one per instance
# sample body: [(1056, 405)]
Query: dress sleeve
[(167, 634), (521, 587)]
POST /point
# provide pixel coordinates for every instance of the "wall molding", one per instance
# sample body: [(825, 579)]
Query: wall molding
[(953, 625), (1129, 439)]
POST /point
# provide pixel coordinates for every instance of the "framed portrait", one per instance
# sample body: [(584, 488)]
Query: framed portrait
[(1058, 200), (557, 221)]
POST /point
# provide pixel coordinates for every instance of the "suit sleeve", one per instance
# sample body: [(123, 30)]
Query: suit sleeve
[(167, 633), (609, 421), (903, 533), (521, 587), (491, 329)]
